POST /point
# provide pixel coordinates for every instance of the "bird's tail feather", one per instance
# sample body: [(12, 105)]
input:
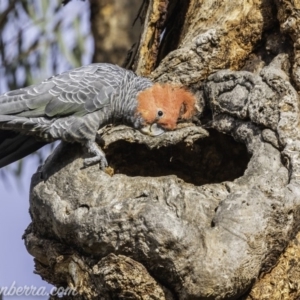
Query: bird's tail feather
[(14, 146), (20, 124)]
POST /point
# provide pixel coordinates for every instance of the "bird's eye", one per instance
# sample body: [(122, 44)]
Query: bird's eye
[(160, 113)]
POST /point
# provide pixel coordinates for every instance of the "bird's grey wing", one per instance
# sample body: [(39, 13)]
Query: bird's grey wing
[(81, 91), (76, 92)]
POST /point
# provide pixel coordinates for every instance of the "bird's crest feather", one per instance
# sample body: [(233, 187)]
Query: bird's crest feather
[(175, 102)]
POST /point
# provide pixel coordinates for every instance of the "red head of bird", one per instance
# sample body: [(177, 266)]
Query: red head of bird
[(161, 105)]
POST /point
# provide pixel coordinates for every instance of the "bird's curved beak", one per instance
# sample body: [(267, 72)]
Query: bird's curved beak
[(152, 129)]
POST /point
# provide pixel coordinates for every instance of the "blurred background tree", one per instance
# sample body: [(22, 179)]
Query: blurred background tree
[(41, 38)]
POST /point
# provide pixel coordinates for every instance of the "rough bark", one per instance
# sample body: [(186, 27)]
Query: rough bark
[(289, 18), (196, 213), (283, 281)]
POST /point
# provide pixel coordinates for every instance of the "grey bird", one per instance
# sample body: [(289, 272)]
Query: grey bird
[(73, 105)]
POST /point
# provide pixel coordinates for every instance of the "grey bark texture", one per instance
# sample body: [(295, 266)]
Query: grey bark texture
[(198, 213)]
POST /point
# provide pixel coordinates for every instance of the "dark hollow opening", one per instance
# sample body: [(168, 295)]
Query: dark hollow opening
[(214, 159)]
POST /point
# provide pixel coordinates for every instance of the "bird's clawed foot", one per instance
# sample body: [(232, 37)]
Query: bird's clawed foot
[(98, 155)]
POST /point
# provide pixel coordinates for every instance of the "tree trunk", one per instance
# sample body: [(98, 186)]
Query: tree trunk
[(206, 211), (114, 29)]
